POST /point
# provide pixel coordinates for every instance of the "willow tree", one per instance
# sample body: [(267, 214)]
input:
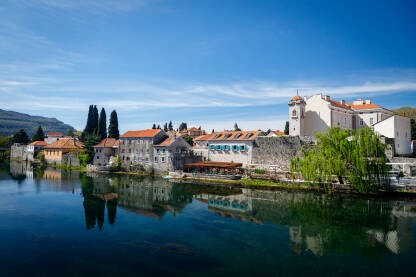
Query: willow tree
[(355, 158)]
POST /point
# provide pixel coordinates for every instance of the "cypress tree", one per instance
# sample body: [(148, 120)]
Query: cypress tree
[(39, 135), (154, 126), (158, 126), (70, 133), (165, 127), (88, 126), (413, 128), (287, 128), (113, 127), (236, 128), (21, 137), (102, 125), (170, 126), (95, 121)]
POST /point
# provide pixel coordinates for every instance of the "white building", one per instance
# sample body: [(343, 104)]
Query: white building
[(227, 146), (308, 116), (397, 127), (52, 137)]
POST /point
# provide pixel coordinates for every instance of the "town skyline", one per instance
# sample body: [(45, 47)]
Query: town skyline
[(209, 64)]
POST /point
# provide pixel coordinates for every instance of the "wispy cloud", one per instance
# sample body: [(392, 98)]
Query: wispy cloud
[(106, 5)]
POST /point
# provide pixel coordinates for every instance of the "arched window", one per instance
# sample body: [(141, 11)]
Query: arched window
[(294, 113)]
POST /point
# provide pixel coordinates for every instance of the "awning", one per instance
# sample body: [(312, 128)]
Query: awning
[(215, 164)]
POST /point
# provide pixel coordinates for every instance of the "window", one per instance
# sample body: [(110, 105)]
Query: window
[(371, 121), (248, 135), (397, 134), (163, 150), (227, 135), (235, 147), (163, 159), (98, 157), (158, 150), (155, 159), (147, 159), (237, 136), (217, 136), (294, 113), (361, 122), (129, 150), (147, 150), (243, 148)]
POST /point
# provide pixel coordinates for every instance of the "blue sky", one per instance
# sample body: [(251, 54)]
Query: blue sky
[(208, 63)]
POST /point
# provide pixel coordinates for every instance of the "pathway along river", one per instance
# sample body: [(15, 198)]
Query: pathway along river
[(59, 223)]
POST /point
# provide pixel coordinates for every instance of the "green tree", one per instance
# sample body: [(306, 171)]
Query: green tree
[(102, 125), (113, 127), (189, 140), (89, 142), (170, 126), (356, 157), (70, 133), (95, 118), (286, 128), (154, 126), (183, 126), (165, 127), (39, 135), (158, 126), (236, 128), (20, 137), (413, 128)]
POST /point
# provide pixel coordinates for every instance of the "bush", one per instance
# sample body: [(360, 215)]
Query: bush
[(259, 171), (83, 158)]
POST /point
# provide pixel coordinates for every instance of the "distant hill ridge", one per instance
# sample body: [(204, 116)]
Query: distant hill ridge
[(11, 122)]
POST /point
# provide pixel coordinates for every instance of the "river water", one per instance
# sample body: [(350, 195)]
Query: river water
[(61, 223)]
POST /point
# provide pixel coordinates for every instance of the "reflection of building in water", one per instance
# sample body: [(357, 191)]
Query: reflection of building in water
[(53, 174), (151, 198), (321, 223), (21, 170)]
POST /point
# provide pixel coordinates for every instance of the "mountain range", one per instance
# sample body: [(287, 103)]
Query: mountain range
[(11, 122)]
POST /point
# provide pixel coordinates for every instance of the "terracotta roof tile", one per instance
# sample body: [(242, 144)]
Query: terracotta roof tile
[(168, 141), (297, 97), (338, 104), (229, 135), (65, 143), (108, 142), (193, 129), (55, 134), (39, 143), (279, 133), (140, 134), (364, 106)]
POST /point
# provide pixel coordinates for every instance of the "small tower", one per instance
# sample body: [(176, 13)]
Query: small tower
[(297, 116)]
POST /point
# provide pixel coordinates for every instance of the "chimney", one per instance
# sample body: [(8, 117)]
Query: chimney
[(304, 98), (403, 114), (367, 101), (174, 136), (327, 97)]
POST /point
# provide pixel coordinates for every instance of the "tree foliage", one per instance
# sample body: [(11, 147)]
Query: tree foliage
[(189, 140), (170, 126), (413, 128), (20, 137), (70, 133), (355, 158), (89, 142), (165, 127), (154, 126), (236, 128), (113, 127), (102, 125), (39, 135), (286, 128), (183, 126)]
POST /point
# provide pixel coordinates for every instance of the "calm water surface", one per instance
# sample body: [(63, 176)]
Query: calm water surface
[(57, 223)]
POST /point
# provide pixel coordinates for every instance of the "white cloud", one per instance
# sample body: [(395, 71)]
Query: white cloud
[(106, 5)]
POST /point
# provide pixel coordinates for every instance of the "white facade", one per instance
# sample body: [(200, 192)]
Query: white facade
[(398, 128), (320, 113)]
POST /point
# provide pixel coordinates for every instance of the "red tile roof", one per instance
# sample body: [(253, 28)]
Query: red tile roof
[(55, 134), (364, 106), (38, 143), (279, 133), (230, 135), (108, 142), (168, 141), (338, 104), (66, 143), (140, 134), (193, 129)]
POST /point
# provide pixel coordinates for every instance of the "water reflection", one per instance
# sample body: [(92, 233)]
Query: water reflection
[(317, 223)]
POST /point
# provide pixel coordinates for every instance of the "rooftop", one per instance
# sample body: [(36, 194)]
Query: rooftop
[(66, 143), (55, 134), (230, 135), (364, 106), (168, 141), (108, 142), (39, 143), (140, 134)]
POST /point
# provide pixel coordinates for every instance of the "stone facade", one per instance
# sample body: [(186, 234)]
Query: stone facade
[(276, 152), (19, 151)]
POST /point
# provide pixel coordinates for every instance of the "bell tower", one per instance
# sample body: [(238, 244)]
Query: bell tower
[(297, 116)]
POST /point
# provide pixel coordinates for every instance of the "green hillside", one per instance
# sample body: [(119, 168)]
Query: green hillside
[(11, 122), (408, 111)]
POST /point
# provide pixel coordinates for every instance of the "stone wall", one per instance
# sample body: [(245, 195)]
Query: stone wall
[(70, 159), (277, 151), (19, 152)]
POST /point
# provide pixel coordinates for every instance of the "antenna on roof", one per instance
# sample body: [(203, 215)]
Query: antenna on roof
[(297, 92)]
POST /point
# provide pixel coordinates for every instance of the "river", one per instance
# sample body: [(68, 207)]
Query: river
[(66, 223)]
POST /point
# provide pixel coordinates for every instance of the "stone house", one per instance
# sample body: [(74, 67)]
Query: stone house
[(169, 154), (193, 132), (104, 150), (136, 147), (53, 136), (63, 151), (227, 146), (36, 146)]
